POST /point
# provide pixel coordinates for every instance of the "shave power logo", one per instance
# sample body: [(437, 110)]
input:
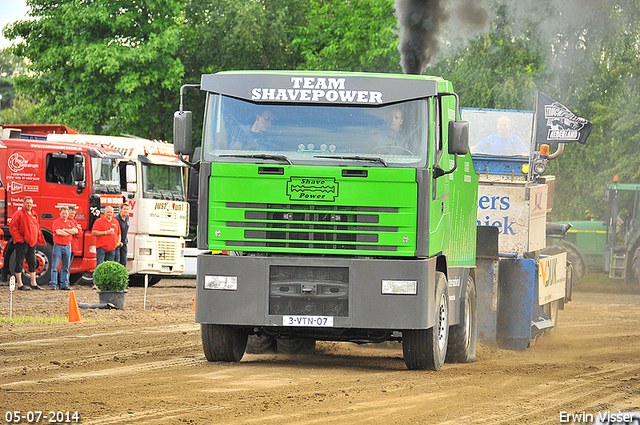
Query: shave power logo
[(312, 189)]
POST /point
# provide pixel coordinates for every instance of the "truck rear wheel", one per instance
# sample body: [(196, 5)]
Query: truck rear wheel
[(296, 346), (223, 343), (427, 348), (463, 338)]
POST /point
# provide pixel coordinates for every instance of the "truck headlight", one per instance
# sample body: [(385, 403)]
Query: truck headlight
[(229, 283), (144, 251), (402, 287)]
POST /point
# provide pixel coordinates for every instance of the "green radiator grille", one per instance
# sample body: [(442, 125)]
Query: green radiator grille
[(317, 227)]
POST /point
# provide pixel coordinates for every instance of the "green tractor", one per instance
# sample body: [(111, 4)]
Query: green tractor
[(612, 245)]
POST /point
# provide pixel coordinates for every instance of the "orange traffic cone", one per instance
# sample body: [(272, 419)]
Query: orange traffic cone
[(74, 313), (194, 304)]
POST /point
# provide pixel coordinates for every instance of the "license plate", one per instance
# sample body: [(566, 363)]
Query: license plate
[(312, 321), (166, 269)]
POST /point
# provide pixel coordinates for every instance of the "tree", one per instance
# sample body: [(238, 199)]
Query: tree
[(228, 35), (102, 66), (9, 66), (498, 69), (343, 35), (585, 55), (21, 112), (595, 68)]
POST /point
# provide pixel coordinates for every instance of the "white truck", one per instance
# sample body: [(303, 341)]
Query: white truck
[(152, 180)]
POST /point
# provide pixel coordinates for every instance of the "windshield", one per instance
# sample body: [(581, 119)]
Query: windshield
[(499, 132), (106, 175), (392, 135), (163, 182)]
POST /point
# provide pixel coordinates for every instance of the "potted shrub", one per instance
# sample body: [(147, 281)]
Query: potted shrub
[(112, 279)]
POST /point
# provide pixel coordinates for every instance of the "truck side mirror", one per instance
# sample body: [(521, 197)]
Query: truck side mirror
[(458, 137), (182, 143), (78, 171), (132, 180), (131, 172)]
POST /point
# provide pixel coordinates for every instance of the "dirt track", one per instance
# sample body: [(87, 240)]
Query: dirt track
[(146, 366)]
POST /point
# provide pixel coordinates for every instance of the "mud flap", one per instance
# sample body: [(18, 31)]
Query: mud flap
[(487, 292), (516, 301), (540, 322)]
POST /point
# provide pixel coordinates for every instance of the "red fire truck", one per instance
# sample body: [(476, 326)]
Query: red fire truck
[(55, 174)]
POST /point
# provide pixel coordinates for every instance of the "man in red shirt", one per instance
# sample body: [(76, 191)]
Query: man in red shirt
[(63, 231), (75, 242), (106, 229), (26, 234)]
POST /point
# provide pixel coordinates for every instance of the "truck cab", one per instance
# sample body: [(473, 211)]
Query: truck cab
[(152, 181), (54, 175), (348, 205)]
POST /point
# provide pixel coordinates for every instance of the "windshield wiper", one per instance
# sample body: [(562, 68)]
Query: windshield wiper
[(262, 156), (356, 157)]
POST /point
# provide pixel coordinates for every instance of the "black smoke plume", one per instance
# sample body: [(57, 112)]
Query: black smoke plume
[(422, 21)]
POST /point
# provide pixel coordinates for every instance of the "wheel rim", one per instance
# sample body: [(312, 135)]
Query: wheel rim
[(442, 323), (42, 264)]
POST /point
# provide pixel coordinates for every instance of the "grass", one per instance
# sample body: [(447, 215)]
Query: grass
[(597, 281), (28, 320)]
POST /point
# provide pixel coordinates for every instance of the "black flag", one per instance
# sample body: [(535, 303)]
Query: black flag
[(555, 123)]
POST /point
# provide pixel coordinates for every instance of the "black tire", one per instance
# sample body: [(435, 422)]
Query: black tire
[(223, 343), (463, 338), (579, 267), (635, 265), (427, 348), (296, 346), (261, 344), (138, 280), (85, 279), (44, 254)]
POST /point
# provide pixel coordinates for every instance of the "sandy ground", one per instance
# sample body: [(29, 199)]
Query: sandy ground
[(144, 364)]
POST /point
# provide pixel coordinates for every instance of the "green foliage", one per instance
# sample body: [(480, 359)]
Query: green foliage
[(237, 34), (111, 276), (497, 70), (22, 111), (601, 86), (349, 36), (103, 66)]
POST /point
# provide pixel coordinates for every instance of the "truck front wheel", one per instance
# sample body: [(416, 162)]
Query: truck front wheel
[(223, 343), (427, 348), (463, 338)]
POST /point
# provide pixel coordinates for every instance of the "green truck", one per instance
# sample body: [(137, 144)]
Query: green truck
[(338, 207)]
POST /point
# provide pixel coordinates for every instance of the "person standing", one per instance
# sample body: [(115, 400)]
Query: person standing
[(26, 233), (123, 220), (63, 232), (106, 229)]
